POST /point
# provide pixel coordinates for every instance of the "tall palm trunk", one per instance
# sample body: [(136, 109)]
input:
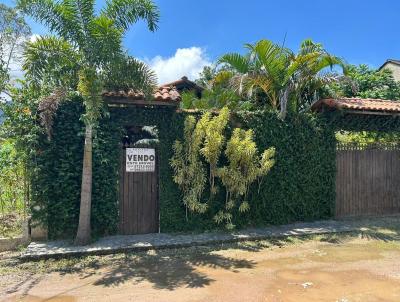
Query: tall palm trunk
[(284, 102), (83, 234)]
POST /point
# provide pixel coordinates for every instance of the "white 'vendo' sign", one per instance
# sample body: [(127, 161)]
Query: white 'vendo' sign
[(140, 160)]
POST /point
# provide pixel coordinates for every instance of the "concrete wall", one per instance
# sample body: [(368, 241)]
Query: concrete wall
[(31, 232), (7, 244)]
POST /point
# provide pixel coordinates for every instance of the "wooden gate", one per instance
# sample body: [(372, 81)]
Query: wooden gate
[(139, 211), (367, 181)]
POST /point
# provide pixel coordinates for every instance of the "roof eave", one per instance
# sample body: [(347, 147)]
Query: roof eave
[(396, 62), (139, 102)]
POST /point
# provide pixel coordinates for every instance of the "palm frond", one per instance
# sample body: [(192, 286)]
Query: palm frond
[(106, 41), (84, 10), (272, 60), (330, 61), (80, 12), (52, 14), (238, 62), (130, 73), (51, 59), (126, 12)]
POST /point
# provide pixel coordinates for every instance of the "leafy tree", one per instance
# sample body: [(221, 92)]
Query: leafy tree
[(85, 55), (17, 143), (11, 178), (14, 32), (206, 76), (277, 78), (365, 82)]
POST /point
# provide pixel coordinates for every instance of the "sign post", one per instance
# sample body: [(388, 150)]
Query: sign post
[(140, 160)]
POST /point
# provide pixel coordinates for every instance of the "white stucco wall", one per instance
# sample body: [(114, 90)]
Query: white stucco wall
[(394, 68)]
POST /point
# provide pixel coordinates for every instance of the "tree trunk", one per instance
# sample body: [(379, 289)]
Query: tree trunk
[(83, 234), (283, 103)]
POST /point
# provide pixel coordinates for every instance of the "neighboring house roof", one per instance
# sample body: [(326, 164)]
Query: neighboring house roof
[(359, 106), (393, 61), (165, 95), (185, 84)]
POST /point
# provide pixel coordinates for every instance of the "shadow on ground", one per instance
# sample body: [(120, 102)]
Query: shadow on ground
[(173, 268), (169, 268), (169, 272)]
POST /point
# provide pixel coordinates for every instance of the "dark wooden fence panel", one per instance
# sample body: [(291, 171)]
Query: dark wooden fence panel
[(139, 209), (367, 181)]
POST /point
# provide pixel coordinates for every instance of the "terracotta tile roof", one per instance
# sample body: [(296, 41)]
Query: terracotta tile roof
[(132, 94), (358, 104), (167, 94)]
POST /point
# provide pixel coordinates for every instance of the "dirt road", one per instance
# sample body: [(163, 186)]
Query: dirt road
[(326, 268)]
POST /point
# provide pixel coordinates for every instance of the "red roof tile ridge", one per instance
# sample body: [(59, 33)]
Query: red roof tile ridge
[(359, 99)]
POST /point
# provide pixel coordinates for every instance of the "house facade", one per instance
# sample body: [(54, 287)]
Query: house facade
[(394, 66)]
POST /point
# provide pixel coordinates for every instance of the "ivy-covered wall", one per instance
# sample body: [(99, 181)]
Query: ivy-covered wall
[(300, 186), (382, 124)]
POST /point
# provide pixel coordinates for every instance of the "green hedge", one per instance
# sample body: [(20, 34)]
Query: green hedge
[(300, 186)]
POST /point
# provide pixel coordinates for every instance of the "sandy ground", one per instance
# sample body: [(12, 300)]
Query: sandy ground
[(326, 268)]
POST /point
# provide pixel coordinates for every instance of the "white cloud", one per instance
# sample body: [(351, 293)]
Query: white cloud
[(34, 37), (16, 61), (185, 62)]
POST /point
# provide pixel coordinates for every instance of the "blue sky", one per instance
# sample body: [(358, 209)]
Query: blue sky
[(195, 33)]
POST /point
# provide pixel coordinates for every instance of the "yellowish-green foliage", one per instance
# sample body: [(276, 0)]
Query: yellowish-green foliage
[(367, 137), (245, 166), (204, 141), (214, 141), (189, 171)]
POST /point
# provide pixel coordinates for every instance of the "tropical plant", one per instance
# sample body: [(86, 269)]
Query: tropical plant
[(217, 92), (214, 140), (244, 167), (14, 32), (275, 77), (84, 55), (189, 171), (204, 142)]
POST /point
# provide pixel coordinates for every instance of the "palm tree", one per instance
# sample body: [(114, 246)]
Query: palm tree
[(85, 54), (280, 77)]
